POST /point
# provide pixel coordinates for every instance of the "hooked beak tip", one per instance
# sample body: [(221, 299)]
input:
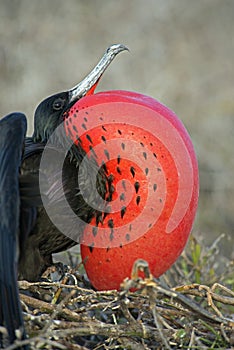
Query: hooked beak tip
[(88, 84)]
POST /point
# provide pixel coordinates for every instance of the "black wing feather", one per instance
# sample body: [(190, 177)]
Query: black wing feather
[(12, 133)]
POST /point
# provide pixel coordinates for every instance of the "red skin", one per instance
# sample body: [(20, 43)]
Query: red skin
[(154, 139)]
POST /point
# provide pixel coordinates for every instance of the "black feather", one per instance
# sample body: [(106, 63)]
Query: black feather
[(12, 133), (59, 190)]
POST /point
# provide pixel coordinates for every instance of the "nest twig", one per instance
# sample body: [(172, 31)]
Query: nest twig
[(144, 314)]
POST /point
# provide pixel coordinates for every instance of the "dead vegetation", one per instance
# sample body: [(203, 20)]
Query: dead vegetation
[(197, 314)]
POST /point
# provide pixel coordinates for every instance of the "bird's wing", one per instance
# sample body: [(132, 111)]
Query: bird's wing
[(12, 133)]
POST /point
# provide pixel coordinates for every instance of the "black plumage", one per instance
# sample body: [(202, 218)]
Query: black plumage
[(55, 228), (12, 133)]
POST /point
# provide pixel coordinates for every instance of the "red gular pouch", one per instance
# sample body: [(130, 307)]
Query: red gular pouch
[(151, 179)]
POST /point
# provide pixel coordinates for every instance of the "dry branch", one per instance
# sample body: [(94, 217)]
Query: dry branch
[(155, 316)]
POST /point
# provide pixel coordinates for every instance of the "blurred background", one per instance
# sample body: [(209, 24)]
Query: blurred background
[(181, 53)]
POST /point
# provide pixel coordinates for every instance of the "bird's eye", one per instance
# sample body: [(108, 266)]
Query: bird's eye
[(58, 104)]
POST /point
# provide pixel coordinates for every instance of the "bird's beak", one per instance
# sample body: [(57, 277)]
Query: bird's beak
[(89, 83)]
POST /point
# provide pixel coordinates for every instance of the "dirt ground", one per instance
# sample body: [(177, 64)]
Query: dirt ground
[(181, 52)]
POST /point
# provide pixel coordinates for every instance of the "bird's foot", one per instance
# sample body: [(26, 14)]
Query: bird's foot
[(55, 272)]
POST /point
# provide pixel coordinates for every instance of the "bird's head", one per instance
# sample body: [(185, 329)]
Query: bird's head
[(50, 112)]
